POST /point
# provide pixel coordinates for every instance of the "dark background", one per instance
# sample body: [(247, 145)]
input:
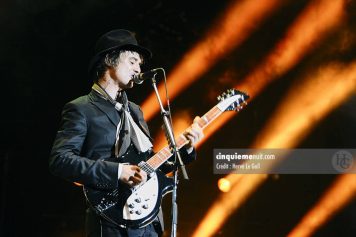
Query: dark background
[(45, 47)]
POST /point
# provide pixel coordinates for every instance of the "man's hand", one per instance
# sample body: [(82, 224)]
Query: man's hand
[(194, 134), (132, 175)]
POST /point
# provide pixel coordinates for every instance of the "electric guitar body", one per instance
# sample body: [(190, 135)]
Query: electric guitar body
[(127, 206)]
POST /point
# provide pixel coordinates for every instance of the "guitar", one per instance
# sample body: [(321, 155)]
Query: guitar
[(138, 206)]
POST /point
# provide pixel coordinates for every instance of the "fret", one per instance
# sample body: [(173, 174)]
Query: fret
[(207, 118), (151, 162), (156, 163), (167, 152), (159, 156), (181, 140), (156, 160), (203, 121), (210, 116)]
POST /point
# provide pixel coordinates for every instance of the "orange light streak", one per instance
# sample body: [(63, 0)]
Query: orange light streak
[(318, 19), (236, 24), (336, 197), (307, 104), (304, 106), (226, 204)]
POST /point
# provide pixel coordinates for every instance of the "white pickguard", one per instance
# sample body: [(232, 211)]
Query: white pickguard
[(142, 201)]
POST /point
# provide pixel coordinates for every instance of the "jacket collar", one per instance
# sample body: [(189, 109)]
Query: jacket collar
[(105, 106)]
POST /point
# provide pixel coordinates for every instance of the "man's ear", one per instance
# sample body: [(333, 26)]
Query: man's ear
[(111, 71)]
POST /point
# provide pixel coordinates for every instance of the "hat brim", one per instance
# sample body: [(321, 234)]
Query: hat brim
[(145, 53)]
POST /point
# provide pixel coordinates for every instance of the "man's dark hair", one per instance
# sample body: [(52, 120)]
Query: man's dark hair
[(110, 59)]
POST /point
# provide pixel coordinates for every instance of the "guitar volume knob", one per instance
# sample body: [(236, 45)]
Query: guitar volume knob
[(138, 212), (145, 206), (131, 205), (138, 200)]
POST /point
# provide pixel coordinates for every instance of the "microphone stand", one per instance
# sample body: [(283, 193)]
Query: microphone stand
[(172, 142)]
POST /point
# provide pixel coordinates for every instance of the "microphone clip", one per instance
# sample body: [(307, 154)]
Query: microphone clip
[(138, 79)]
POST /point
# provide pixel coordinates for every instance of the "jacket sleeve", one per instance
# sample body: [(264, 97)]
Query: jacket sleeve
[(66, 160)]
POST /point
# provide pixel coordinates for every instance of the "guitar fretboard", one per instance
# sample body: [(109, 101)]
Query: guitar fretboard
[(163, 155)]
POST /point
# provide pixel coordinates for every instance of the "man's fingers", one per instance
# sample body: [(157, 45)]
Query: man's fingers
[(135, 179), (194, 134), (137, 175), (133, 175), (191, 139), (143, 175), (135, 168), (196, 119), (197, 130)]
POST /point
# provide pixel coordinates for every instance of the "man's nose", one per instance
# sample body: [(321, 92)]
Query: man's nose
[(137, 69)]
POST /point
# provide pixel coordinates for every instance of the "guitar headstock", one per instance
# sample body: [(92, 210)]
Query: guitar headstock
[(231, 100)]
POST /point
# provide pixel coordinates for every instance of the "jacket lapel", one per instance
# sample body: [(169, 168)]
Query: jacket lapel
[(136, 116), (105, 106)]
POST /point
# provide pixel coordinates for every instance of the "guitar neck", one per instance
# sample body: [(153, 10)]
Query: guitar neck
[(163, 155)]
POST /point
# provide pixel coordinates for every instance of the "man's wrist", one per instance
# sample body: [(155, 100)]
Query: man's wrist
[(119, 171)]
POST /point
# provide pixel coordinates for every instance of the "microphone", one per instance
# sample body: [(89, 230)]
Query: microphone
[(138, 79)]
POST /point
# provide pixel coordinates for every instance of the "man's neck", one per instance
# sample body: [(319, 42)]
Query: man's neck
[(110, 87)]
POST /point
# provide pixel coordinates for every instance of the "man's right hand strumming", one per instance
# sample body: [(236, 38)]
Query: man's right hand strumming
[(132, 175)]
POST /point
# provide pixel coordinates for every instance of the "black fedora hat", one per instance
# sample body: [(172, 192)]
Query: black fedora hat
[(116, 40)]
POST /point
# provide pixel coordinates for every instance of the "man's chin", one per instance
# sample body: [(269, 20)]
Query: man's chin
[(129, 85)]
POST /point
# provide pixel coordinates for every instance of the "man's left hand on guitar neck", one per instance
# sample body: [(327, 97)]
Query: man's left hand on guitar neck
[(194, 134)]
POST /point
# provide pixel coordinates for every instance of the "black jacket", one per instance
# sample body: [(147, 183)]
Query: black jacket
[(86, 137)]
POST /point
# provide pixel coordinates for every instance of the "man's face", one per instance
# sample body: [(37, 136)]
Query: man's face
[(129, 66)]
